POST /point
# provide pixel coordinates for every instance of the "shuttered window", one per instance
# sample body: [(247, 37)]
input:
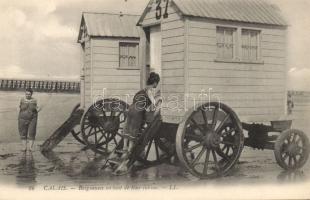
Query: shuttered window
[(128, 55), (250, 45), (225, 43)]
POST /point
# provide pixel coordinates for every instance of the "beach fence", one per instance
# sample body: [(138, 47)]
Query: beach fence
[(40, 85)]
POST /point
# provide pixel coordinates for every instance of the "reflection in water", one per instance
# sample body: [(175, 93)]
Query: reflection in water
[(76, 167), (291, 176), (90, 166), (26, 170)]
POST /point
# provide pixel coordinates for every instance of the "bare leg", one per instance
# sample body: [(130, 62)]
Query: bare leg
[(24, 142), (31, 145), (123, 168)]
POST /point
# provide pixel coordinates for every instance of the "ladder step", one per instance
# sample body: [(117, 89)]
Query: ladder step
[(116, 161), (121, 151)]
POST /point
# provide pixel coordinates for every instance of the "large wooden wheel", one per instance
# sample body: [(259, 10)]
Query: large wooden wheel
[(103, 123), (209, 140), (76, 131), (292, 149)]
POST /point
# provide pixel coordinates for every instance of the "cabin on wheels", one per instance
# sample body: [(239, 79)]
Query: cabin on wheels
[(111, 45), (231, 51)]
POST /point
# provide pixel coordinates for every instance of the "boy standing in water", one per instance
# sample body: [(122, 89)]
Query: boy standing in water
[(27, 119)]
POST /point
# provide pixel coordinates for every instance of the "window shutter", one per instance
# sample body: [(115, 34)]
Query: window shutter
[(220, 42)]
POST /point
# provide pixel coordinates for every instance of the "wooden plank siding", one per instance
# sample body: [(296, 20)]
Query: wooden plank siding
[(255, 91), (86, 71), (103, 77)]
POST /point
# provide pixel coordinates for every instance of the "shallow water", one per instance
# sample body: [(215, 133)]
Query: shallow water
[(70, 167), (56, 108)]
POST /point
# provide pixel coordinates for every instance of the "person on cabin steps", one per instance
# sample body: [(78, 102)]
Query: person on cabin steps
[(146, 100)]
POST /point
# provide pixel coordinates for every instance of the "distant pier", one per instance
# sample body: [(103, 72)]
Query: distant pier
[(40, 85)]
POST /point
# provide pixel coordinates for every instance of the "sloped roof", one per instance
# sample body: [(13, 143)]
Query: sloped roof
[(251, 11), (110, 25)]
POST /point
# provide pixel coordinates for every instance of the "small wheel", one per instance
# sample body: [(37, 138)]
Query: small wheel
[(102, 125), (76, 131), (292, 149), (210, 140)]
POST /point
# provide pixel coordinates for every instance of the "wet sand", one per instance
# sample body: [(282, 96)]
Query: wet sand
[(69, 166), (74, 169)]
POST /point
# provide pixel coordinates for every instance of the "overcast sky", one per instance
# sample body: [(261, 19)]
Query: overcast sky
[(38, 37)]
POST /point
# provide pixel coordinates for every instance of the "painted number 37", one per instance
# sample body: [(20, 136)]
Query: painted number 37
[(159, 9)]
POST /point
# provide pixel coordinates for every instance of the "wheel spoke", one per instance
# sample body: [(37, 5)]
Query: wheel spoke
[(215, 160), (295, 159), (100, 147), (198, 157), (219, 128), (148, 150), (87, 126), (156, 149), (119, 134), (102, 136), (224, 147), (76, 133), (228, 143), (195, 137), (215, 113), (294, 137), (285, 156), (119, 113), (289, 140), (225, 156), (193, 147), (115, 141), (96, 139), (290, 161), (227, 150), (205, 167), (205, 118), (89, 132), (107, 141), (196, 125)]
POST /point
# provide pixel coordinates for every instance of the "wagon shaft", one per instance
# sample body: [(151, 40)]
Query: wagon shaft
[(62, 131)]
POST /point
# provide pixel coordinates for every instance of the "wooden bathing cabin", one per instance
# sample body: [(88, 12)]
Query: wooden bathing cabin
[(112, 56), (233, 51)]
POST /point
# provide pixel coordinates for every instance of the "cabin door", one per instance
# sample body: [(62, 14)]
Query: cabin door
[(153, 52), (155, 49)]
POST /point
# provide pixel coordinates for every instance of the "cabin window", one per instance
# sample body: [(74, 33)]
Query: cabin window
[(250, 45), (225, 43), (128, 55)]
